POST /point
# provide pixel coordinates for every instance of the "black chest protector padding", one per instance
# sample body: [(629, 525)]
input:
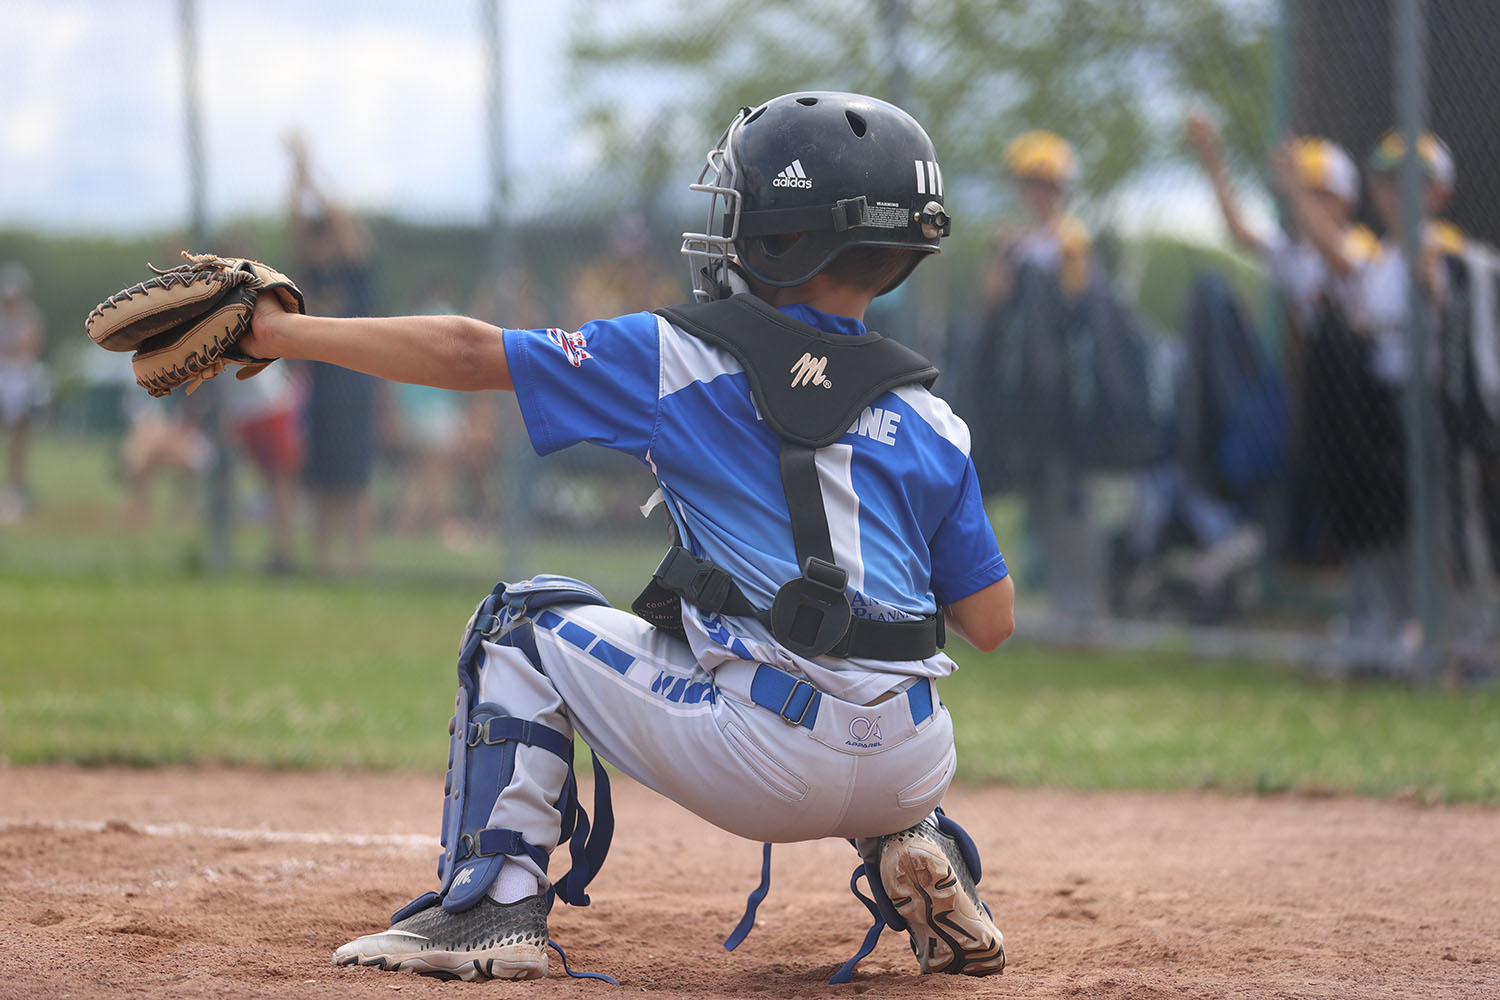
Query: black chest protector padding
[(809, 385)]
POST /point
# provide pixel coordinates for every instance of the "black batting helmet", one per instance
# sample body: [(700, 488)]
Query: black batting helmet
[(804, 177)]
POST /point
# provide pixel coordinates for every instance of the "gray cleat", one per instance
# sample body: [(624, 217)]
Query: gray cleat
[(489, 940), (931, 887)]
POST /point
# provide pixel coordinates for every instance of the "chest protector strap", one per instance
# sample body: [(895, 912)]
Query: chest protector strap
[(810, 386)]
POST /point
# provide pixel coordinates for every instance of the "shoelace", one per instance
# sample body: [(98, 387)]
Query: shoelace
[(611, 980)]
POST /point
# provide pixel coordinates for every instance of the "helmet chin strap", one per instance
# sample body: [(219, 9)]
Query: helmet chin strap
[(726, 278)]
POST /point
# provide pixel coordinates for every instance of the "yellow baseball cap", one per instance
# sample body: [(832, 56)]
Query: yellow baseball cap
[(1437, 160), (1325, 166), (1042, 156)]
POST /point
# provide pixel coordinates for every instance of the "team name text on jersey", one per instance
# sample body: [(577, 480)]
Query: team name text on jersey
[(877, 424)]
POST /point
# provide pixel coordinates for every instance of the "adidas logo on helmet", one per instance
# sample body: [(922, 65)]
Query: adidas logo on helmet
[(791, 176)]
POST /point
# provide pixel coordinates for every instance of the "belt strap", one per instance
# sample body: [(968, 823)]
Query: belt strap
[(797, 701), (712, 590), (792, 698)]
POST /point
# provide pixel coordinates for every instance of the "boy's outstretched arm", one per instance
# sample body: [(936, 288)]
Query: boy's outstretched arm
[(449, 352), (986, 618), (1205, 140)]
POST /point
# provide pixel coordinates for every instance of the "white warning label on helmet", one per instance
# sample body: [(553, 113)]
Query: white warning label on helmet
[(884, 215)]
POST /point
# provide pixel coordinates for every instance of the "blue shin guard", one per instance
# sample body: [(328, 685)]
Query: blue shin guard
[(484, 739)]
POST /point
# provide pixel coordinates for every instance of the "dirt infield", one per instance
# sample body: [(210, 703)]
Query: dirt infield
[(230, 883)]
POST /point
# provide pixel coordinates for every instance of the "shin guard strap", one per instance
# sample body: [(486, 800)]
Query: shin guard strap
[(966, 847), (845, 972), (497, 840), (587, 847), (503, 728), (752, 902)]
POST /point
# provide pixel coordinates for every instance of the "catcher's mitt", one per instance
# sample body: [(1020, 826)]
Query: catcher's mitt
[(184, 324)]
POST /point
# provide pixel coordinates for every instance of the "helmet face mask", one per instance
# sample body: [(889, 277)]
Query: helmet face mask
[(711, 255), (793, 183)]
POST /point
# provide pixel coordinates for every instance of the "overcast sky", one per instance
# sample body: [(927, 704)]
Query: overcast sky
[(390, 95)]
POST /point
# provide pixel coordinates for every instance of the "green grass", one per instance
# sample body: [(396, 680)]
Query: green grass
[(160, 668), (116, 648), (178, 670), (80, 527), (1031, 716)]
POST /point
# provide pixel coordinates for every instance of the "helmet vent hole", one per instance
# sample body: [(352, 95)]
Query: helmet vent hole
[(758, 112), (856, 123), (807, 101)]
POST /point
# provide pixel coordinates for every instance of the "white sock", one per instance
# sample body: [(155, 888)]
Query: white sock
[(513, 883)]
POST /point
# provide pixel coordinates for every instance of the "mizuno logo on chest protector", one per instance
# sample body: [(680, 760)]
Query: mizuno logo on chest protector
[(808, 370)]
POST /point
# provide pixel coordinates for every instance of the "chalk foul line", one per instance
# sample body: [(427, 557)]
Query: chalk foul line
[(405, 841)]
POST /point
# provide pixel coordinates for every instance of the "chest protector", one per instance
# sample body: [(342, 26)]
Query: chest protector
[(810, 386)]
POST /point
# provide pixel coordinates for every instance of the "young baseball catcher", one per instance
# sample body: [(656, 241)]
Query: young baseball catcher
[(778, 674)]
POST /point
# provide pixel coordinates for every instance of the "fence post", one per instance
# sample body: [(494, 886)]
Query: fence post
[(516, 472), (218, 553), (1409, 56)]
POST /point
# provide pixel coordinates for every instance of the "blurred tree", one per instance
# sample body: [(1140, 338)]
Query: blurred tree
[(1114, 76)]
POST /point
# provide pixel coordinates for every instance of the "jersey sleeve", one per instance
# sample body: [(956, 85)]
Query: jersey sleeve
[(599, 384), (965, 556)]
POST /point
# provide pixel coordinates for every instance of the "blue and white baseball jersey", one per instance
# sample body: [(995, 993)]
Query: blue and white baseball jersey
[(902, 499)]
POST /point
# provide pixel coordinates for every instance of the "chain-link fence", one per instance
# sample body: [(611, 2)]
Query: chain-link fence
[(1211, 398)]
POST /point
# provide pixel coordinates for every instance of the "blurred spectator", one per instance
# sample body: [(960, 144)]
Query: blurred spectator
[(1043, 170), (427, 436), (1463, 434), (1442, 176), (510, 297), (1194, 540), (162, 438), (1379, 300), (1309, 287), (1293, 264), (1025, 419), (1233, 417), (474, 512), (1360, 425), (333, 250), (628, 278), (263, 414), (23, 384), (1471, 416)]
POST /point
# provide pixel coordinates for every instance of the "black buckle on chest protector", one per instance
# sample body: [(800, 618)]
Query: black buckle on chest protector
[(811, 613), (700, 582)]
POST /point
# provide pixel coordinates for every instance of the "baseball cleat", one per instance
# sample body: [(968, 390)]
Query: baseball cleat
[(487, 941), (930, 886)]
